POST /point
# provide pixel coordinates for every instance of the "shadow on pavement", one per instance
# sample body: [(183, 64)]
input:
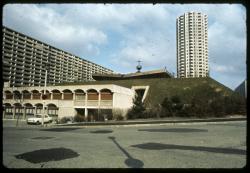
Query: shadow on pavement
[(102, 131), (59, 129), (43, 137), (177, 130), (130, 161), (45, 155), (159, 146)]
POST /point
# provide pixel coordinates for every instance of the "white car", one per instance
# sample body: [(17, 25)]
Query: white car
[(38, 119)]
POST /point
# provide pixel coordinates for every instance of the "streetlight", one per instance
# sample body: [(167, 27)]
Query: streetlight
[(44, 94), (17, 98)]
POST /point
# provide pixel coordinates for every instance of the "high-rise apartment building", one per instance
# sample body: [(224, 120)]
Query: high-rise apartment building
[(192, 45), (25, 60)]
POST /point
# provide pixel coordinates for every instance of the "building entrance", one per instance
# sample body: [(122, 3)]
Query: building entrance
[(93, 115), (80, 114)]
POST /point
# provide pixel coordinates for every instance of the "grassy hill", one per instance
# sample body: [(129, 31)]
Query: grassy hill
[(159, 88)]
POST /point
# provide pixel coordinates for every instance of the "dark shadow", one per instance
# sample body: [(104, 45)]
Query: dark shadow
[(130, 161), (102, 131), (234, 125), (59, 129), (45, 155), (177, 130), (159, 146), (43, 137)]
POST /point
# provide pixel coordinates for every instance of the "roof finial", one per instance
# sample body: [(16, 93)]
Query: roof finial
[(138, 67)]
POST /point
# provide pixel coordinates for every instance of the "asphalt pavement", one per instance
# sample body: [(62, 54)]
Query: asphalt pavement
[(167, 145)]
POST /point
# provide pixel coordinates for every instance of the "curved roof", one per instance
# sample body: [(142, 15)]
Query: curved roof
[(162, 73)]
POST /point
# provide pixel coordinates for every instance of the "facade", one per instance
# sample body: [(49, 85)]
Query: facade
[(192, 45), (110, 95), (242, 89), (67, 101), (25, 60), (90, 99)]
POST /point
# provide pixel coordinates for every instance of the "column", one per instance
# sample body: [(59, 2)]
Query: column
[(86, 114), (86, 110), (62, 95), (24, 112), (99, 103), (4, 111), (14, 112), (35, 110)]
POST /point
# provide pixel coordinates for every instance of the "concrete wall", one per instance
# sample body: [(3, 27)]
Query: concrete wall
[(122, 98)]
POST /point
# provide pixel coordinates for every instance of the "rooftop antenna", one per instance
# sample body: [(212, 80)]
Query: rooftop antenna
[(138, 67)]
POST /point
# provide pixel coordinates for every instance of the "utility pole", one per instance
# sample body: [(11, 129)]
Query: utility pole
[(44, 95), (18, 98)]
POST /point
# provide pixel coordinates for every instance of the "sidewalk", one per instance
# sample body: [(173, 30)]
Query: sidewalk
[(157, 121), (169, 120)]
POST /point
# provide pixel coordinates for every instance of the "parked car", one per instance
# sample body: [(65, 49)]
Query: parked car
[(38, 119)]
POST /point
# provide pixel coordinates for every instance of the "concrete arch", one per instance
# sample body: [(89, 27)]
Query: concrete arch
[(51, 105), (36, 95), (106, 90), (91, 90), (79, 94), (55, 91), (7, 105), (67, 94), (8, 94), (56, 94), (35, 91), (92, 94), (39, 105), (17, 104), (47, 93), (106, 94), (28, 105), (17, 95), (26, 94), (52, 110), (79, 91), (67, 91)]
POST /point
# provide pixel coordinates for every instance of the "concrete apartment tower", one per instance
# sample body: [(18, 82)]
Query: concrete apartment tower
[(192, 45)]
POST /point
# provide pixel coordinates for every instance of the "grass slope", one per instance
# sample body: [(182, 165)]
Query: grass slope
[(159, 88)]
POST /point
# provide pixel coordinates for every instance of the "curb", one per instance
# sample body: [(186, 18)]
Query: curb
[(153, 122)]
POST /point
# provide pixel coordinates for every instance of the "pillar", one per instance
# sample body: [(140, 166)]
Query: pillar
[(86, 114), (86, 110), (24, 112), (99, 103), (4, 111), (35, 110), (14, 112)]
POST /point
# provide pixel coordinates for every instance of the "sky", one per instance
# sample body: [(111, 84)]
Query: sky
[(116, 36)]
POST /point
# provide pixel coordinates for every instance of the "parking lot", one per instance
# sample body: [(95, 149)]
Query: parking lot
[(218, 145)]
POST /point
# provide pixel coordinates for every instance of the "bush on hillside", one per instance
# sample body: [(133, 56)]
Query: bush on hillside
[(138, 109)]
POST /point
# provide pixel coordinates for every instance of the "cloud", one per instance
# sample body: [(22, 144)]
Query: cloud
[(48, 25), (117, 35)]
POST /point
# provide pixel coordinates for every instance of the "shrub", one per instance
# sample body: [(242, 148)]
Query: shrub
[(138, 109), (79, 118), (118, 114), (64, 120), (167, 109)]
